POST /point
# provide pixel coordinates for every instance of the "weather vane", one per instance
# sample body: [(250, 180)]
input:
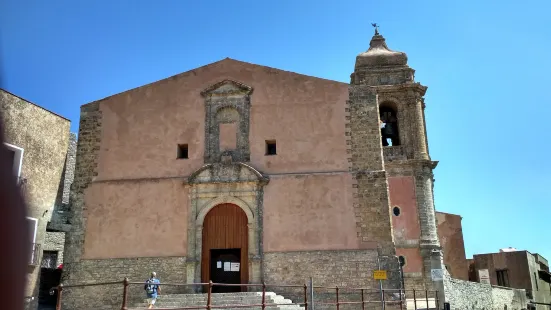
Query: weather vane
[(376, 26)]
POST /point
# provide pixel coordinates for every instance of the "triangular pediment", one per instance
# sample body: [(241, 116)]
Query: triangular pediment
[(227, 88)]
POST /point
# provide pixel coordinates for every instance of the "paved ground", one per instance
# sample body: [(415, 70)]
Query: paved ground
[(46, 307)]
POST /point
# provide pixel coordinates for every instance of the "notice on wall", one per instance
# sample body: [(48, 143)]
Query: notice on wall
[(379, 274), (484, 276), (218, 264), (235, 266), (437, 274), (227, 266)]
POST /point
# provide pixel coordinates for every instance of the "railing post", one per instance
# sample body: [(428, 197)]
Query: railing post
[(124, 294), (363, 302), (311, 294), (384, 302), (305, 297), (209, 295), (402, 299), (337, 291), (427, 298), (414, 300), (59, 292), (437, 300), (263, 295)]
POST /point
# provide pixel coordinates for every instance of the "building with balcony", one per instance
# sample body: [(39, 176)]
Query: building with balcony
[(515, 269), (38, 140)]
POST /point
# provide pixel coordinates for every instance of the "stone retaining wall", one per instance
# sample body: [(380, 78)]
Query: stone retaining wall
[(168, 269), (464, 295)]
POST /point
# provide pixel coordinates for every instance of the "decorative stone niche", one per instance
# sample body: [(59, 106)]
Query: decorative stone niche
[(227, 122)]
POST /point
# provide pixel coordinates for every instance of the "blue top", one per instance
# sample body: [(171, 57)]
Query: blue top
[(151, 287)]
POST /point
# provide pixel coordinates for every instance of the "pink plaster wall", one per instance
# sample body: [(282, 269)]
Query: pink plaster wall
[(309, 212), (414, 261), (406, 225), (136, 219), (402, 194), (305, 115), (450, 234)]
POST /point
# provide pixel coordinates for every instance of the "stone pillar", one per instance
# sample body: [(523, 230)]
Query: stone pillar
[(252, 239), (425, 205), (428, 242), (437, 263), (418, 130)]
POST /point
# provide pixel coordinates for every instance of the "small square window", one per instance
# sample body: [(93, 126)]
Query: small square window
[(182, 151), (271, 147)]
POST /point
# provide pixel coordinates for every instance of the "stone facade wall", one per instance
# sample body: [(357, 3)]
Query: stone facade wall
[(350, 270), (55, 241), (43, 136), (60, 216), (85, 171), (463, 295), (328, 268), (69, 175), (168, 269)]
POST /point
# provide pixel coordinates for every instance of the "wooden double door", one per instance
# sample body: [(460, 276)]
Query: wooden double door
[(225, 248)]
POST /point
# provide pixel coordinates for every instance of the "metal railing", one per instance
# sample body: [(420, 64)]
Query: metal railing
[(398, 298)]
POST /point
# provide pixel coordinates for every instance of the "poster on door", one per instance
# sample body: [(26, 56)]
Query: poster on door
[(234, 266), (227, 266)]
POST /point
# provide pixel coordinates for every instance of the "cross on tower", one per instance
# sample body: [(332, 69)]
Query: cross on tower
[(376, 26)]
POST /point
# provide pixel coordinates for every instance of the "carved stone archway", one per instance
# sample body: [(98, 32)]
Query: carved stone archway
[(219, 183)]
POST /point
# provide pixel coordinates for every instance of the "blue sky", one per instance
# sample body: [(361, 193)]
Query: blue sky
[(486, 64)]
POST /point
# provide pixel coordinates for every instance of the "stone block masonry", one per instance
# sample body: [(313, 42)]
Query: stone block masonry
[(85, 170), (168, 269), (55, 242), (463, 295), (328, 268), (370, 196), (347, 269)]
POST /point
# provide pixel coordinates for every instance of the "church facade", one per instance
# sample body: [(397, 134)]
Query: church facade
[(280, 175)]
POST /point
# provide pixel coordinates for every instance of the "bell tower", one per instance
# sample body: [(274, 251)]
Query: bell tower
[(385, 97)]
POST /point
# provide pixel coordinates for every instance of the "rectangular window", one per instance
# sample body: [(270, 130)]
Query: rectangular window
[(49, 260), (271, 147), (502, 277), (183, 151)]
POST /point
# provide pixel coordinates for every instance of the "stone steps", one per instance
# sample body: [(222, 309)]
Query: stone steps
[(223, 299)]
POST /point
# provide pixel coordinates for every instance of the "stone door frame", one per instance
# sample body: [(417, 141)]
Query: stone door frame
[(238, 184)]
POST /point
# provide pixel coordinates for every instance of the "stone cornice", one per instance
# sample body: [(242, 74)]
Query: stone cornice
[(416, 87), (413, 163)]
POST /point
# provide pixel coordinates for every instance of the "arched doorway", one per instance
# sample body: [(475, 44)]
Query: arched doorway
[(225, 248)]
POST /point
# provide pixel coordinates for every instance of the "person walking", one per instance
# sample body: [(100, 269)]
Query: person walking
[(152, 289)]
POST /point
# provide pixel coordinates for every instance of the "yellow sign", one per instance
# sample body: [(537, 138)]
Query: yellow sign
[(379, 274)]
